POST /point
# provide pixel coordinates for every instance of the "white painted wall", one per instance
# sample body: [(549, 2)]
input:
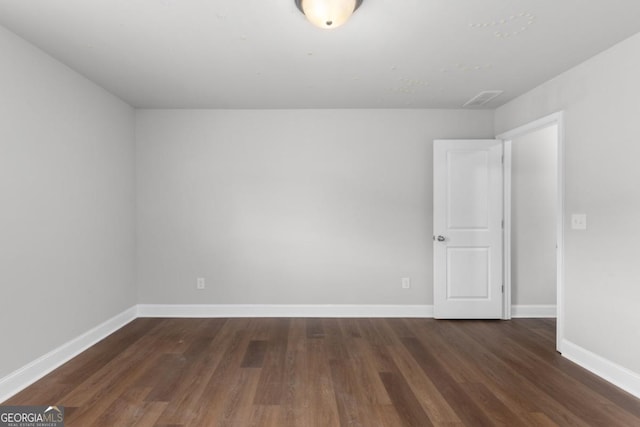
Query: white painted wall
[(289, 207), (534, 195), (66, 204), (602, 132)]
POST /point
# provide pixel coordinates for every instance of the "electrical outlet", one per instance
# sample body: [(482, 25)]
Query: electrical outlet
[(200, 283), (406, 282), (579, 222)]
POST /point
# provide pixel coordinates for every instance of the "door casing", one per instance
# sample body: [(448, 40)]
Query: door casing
[(550, 120)]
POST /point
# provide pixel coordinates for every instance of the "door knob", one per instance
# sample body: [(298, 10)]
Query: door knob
[(440, 238)]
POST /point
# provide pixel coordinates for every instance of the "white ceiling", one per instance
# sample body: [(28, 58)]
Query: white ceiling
[(264, 54)]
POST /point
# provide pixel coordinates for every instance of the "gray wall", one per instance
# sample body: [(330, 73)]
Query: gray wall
[(600, 99), (67, 210), (289, 207), (534, 183)]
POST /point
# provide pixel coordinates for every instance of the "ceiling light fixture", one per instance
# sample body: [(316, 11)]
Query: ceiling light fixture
[(328, 14)]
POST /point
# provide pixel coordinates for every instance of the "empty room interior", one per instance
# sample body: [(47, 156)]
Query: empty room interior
[(320, 212)]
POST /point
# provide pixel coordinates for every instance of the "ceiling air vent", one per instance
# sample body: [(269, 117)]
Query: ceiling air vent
[(482, 98)]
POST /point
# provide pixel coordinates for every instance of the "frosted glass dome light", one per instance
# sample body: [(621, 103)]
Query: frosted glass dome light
[(328, 14)]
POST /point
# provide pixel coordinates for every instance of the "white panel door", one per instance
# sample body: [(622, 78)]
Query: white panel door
[(467, 241)]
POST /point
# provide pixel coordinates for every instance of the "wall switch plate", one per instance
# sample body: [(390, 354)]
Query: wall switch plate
[(406, 282), (200, 283), (579, 221)]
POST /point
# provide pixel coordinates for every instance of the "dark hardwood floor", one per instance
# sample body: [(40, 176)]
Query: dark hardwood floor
[(330, 372)]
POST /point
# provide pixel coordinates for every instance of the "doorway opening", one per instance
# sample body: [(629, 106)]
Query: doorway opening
[(534, 221)]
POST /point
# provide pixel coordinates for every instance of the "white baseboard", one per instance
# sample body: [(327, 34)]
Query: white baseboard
[(533, 311), (32, 372), (618, 375), (283, 310), (316, 310)]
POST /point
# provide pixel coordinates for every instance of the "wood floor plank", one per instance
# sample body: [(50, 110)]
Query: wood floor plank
[(366, 370), (445, 346), (204, 357), (498, 412), (345, 394), (315, 328), (254, 356), (335, 340), (271, 389), (466, 409), (434, 404), (266, 416), (226, 374), (388, 416), (261, 328), (350, 327), (319, 389), (405, 402), (297, 397), (330, 372), (126, 410), (297, 340), (148, 415), (239, 397)]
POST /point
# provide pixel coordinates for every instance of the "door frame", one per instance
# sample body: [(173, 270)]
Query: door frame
[(508, 137)]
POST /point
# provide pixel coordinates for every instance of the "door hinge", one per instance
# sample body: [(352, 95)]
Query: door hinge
[(503, 159), (503, 224), (503, 289)]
